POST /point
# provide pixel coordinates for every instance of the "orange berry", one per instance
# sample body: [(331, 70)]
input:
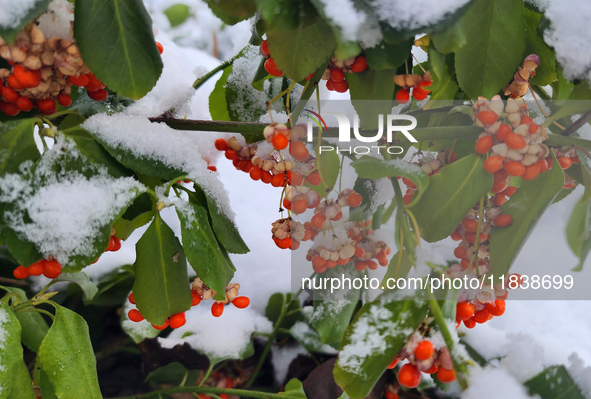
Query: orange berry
[(52, 268), (340, 87), (131, 298), (526, 120), (445, 375), (359, 65), (514, 168), (409, 376), (299, 206), (464, 310), (21, 273), (278, 180), (515, 141), (64, 100), (481, 316), (255, 173), (80, 81), (98, 95), (470, 323), (337, 75), (295, 178), (359, 252), (93, 83), (393, 363), (318, 221), (531, 172), (487, 117), (493, 163), (354, 200), (402, 96), (483, 144), (271, 67), (460, 252), (36, 269), (162, 327), (196, 298), (419, 94), (503, 131), (25, 77), (391, 395), (533, 128), (10, 94), (135, 315), (280, 141), (283, 243), (338, 217), (543, 165), (432, 370), (470, 225), (298, 150), (160, 48), (504, 220), (456, 236), (265, 49), (318, 261), (230, 154), (497, 308), (177, 320), (241, 302), (498, 186), (499, 199), (221, 145), (424, 350), (314, 178), (266, 177), (565, 162), (24, 103), (509, 191), (217, 309)]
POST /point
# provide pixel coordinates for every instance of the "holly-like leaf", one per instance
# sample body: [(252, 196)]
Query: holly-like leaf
[(81, 279), (444, 87), (450, 196), (161, 286), (117, 43), (526, 206), (554, 383), (388, 56), (11, 31), (376, 335), (333, 309), (328, 164), (22, 387), (299, 40), (218, 106), (17, 145), (42, 381), (546, 71), (232, 11), (450, 40), (202, 249), (487, 62), (67, 357)]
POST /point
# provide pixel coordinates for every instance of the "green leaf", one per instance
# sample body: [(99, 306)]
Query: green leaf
[(232, 11), (309, 338), (577, 229), (17, 145), (333, 310), (218, 106), (444, 87), (450, 196), (299, 40), (377, 86), (42, 381), (546, 71), (202, 250), (173, 373), (554, 383), (161, 286), (177, 14), (259, 78), (450, 40), (388, 56), (368, 167), (9, 34), (526, 206), (116, 42), (328, 164), (487, 62), (11, 357), (67, 357), (34, 326), (398, 267), (294, 389), (376, 335), (23, 251), (81, 279)]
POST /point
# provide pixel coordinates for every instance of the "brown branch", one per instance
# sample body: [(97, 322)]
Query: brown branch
[(576, 125)]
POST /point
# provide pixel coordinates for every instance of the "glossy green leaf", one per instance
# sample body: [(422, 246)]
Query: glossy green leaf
[(309, 338), (388, 56), (577, 229), (218, 106), (444, 87), (399, 266), (173, 373), (202, 249), (10, 33), (232, 11), (124, 228), (81, 279), (371, 94), (67, 357), (33, 325), (487, 62), (22, 387), (450, 196), (22, 250), (116, 42), (328, 164), (17, 145), (368, 167), (585, 176), (294, 389), (42, 381), (177, 14), (299, 40), (161, 286), (376, 335), (333, 310), (546, 71), (554, 383), (526, 206), (450, 40)]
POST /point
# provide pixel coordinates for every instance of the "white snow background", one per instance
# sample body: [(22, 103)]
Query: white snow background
[(533, 334)]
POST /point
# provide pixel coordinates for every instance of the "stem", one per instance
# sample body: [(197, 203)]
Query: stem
[(415, 226), (540, 107), (211, 126), (13, 281), (459, 368), (199, 82), (576, 125), (477, 240), (207, 390), (209, 370), (45, 312), (270, 341), (172, 182)]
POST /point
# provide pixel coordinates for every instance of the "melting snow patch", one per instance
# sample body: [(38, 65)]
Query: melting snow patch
[(13, 11), (493, 383), (415, 14)]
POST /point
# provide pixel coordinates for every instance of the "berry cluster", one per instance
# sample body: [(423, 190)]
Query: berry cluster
[(519, 84), (424, 354), (412, 83), (335, 72), (50, 268), (517, 146)]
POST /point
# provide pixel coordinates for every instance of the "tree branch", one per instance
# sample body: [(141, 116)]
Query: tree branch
[(576, 125)]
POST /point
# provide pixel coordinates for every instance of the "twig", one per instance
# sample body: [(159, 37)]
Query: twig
[(199, 82), (576, 125), (13, 281)]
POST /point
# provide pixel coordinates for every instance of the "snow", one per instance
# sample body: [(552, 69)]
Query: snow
[(569, 34), (66, 212), (416, 14), (14, 11), (218, 337), (57, 19), (282, 356), (493, 383), (345, 16), (580, 374)]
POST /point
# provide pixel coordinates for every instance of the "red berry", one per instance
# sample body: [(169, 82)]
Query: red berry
[(217, 309), (460, 252), (271, 67), (98, 95), (36, 269), (565, 162), (483, 144), (337, 75), (419, 94), (340, 87), (136, 316), (280, 141), (52, 269), (131, 299), (294, 178), (196, 298), (445, 375), (64, 100), (354, 200), (487, 117), (265, 49), (497, 308), (93, 83), (402, 96), (26, 77), (278, 180), (46, 105), (359, 65), (493, 163), (314, 178), (298, 150), (470, 225), (299, 206), (24, 103), (231, 154), (80, 80), (160, 48), (481, 316), (432, 370), (531, 172), (162, 327), (116, 244), (515, 141), (394, 363), (221, 145), (503, 132), (21, 273), (10, 94), (504, 220), (318, 221), (14, 83), (470, 323), (9, 109), (409, 376), (241, 302), (464, 311), (255, 173), (424, 350), (514, 168), (177, 320), (266, 177)]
